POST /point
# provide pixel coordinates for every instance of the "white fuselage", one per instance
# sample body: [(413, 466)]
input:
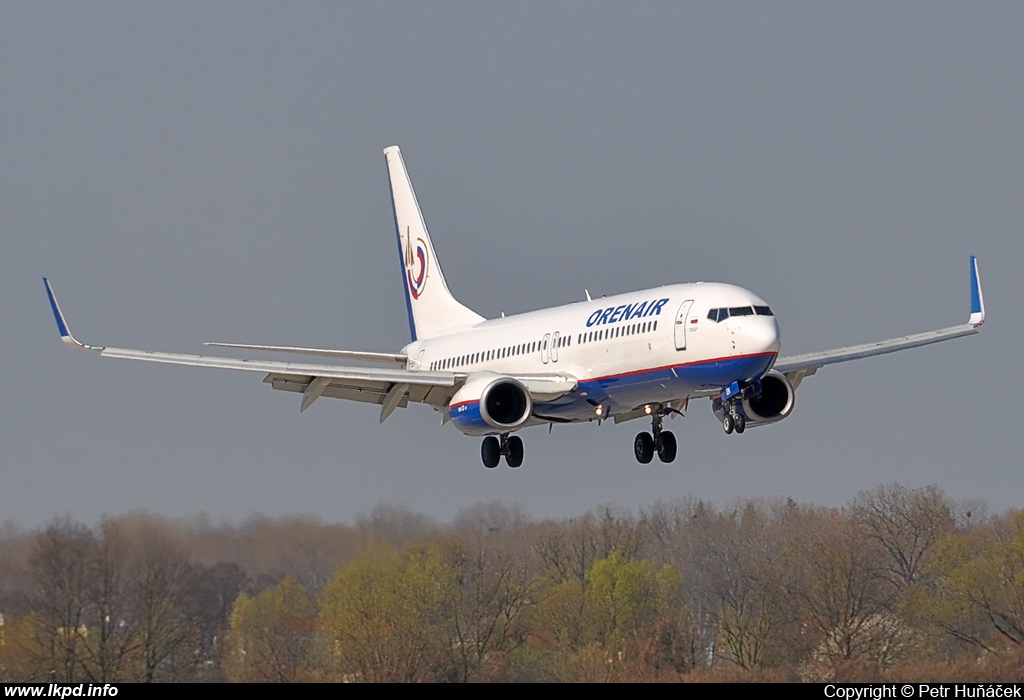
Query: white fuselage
[(625, 351)]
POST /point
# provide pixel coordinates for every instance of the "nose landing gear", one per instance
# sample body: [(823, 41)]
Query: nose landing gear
[(734, 422), (510, 446), (726, 407), (659, 441)]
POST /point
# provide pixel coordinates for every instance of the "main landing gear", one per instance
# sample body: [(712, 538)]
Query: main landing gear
[(510, 446), (661, 441)]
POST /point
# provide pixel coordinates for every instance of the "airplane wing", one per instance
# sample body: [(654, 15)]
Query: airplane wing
[(389, 388), (797, 367), (380, 357)]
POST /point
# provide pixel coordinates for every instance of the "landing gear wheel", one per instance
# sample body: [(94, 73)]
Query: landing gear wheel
[(490, 452), (514, 455), (666, 446), (643, 448), (741, 424), (728, 424)]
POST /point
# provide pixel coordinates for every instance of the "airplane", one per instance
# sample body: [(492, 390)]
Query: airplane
[(644, 354)]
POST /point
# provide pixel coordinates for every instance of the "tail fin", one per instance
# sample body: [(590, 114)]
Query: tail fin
[(432, 308)]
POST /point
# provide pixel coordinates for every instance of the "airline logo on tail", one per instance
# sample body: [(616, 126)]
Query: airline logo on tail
[(415, 265)]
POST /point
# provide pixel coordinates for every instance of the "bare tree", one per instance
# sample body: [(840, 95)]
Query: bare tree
[(907, 523), (59, 564), (166, 616), (484, 603), (108, 641)]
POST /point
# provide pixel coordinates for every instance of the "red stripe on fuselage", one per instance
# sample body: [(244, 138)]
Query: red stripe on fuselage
[(685, 364), (650, 369)]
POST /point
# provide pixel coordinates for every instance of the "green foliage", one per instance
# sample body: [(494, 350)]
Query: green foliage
[(897, 586), (273, 635), (980, 586), (626, 597), (380, 612)]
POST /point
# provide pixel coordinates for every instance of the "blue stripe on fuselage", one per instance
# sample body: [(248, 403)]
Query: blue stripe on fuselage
[(631, 389), (628, 390)]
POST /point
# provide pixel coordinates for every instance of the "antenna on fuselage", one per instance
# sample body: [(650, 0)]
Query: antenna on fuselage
[(587, 292)]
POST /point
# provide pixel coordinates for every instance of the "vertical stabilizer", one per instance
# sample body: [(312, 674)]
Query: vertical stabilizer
[(432, 308)]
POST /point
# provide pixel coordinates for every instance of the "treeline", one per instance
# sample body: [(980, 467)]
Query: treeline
[(901, 584)]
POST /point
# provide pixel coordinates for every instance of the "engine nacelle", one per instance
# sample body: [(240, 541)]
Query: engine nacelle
[(775, 402), (489, 404)]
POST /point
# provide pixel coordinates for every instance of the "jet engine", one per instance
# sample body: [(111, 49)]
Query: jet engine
[(772, 404), (490, 403)]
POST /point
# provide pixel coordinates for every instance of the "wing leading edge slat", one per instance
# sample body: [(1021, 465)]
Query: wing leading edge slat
[(796, 367), (810, 360)]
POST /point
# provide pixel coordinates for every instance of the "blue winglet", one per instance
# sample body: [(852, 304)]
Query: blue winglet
[(977, 298), (62, 326)]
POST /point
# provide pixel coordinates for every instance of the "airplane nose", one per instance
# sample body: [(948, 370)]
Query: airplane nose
[(763, 335)]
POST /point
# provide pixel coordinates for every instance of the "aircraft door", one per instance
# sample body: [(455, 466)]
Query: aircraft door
[(554, 346), (544, 348), (682, 320)]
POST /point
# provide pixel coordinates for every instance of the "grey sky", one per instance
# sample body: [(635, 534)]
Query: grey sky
[(213, 171)]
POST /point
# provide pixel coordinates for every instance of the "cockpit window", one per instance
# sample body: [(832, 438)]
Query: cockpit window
[(713, 315), (741, 311), (763, 311)]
